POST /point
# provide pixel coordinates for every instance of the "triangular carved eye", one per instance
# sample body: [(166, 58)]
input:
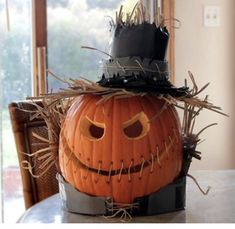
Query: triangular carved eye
[(91, 129), (137, 127)]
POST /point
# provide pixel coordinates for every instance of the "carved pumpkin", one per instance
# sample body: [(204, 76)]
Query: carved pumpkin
[(123, 148)]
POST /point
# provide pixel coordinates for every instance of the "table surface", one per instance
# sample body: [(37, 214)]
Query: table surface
[(216, 207)]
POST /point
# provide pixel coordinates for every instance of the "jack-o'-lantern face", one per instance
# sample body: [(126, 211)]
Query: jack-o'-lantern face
[(133, 129), (122, 148)]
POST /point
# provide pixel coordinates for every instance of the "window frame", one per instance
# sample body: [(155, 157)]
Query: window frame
[(39, 44)]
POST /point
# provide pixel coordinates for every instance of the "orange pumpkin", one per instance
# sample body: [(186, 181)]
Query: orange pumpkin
[(123, 148)]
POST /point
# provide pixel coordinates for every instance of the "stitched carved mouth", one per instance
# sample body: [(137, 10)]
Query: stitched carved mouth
[(155, 158)]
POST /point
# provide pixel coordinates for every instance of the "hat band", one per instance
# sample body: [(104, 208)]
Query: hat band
[(134, 66)]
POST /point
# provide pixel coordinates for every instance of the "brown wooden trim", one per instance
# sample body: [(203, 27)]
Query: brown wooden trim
[(168, 8), (41, 23), (39, 40), (34, 52)]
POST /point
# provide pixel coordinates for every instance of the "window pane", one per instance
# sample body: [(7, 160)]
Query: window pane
[(15, 81), (72, 24)]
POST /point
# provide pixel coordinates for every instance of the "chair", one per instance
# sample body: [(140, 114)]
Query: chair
[(34, 189)]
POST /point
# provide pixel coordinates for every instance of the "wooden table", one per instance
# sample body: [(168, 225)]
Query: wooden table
[(216, 207)]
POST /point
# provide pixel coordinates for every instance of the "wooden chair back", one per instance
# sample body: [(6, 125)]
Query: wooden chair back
[(34, 189)]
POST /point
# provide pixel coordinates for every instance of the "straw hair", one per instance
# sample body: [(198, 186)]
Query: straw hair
[(56, 105)]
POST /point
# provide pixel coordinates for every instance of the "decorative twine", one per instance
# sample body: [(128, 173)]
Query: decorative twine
[(159, 155), (199, 187), (120, 209)]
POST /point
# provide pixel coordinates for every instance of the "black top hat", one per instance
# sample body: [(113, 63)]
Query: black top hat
[(138, 61)]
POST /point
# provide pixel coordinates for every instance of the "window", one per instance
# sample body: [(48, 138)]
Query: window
[(72, 24), (15, 81)]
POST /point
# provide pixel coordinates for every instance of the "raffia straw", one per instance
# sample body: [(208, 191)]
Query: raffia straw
[(133, 10), (40, 137), (26, 165), (95, 49), (51, 112), (119, 16), (55, 106), (81, 87), (213, 124), (56, 77), (195, 181), (45, 163), (137, 16), (38, 152), (45, 156), (120, 209), (159, 113), (124, 217)]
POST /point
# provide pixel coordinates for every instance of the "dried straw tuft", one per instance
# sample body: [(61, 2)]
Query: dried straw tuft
[(53, 112), (56, 105)]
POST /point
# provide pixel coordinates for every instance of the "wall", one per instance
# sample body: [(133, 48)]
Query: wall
[(209, 54)]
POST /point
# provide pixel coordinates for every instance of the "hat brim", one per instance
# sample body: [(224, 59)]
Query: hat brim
[(142, 84)]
